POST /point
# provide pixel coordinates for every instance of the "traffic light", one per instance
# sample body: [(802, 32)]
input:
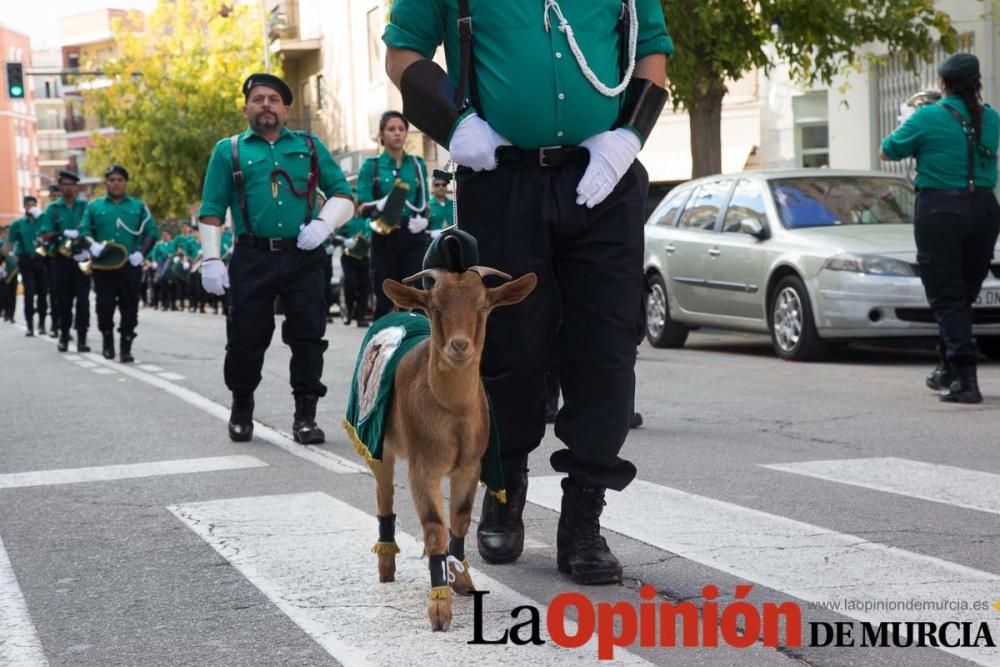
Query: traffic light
[(15, 80)]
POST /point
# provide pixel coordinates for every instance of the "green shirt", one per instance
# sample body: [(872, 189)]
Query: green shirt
[(189, 245), (275, 211), (937, 141), (23, 233), (531, 89), (59, 217), (124, 222), (442, 215), (353, 227), (162, 250), (388, 172)]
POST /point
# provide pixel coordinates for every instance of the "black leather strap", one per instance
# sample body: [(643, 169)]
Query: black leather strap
[(270, 245), (970, 143), (238, 181)]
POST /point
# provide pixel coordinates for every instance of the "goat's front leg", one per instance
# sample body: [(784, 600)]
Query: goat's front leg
[(386, 547), (426, 490), (463, 495)]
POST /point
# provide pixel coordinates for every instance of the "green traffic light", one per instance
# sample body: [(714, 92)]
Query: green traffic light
[(16, 91)]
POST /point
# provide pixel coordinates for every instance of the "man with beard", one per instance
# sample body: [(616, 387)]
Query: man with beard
[(268, 177)]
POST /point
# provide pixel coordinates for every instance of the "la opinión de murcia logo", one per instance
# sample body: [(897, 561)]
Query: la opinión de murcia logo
[(738, 624)]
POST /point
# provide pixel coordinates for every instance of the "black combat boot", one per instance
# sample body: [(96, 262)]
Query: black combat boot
[(81, 341), (500, 534), (636, 420), (964, 388), (30, 331), (125, 349), (241, 418), (581, 551), (941, 377), (304, 428), (63, 341), (108, 344)]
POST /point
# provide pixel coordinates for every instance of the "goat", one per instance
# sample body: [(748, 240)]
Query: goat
[(439, 421)]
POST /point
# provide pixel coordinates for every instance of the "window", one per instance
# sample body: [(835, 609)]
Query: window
[(703, 208), (747, 202), (666, 212), (319, 92), (843, 200), (812, 130), (376, 59)]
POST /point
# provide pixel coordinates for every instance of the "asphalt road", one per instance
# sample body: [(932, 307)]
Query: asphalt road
[(178, 547)]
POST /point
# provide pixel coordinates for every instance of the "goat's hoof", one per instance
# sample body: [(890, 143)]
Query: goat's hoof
[(386, 567), (439, 609), (461, 584)]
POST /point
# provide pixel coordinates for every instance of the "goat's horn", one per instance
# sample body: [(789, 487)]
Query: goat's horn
[(426, 273), (484, 271)]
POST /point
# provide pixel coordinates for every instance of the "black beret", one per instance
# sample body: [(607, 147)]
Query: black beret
[(269, 81), (116, 169), (959, 66), (69, 176), (54, 187), (28, 198), (442, 175)]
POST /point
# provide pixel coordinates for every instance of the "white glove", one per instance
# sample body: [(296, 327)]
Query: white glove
[(351, 243), (82, 256), (330, 250), (313, 234), (474, 144), (72, 233), (435, 233), (380, 204), (135, 259), (96, 248), (611, 155), (186, 264), (214, 277), (34, 211), (155, 265), (417, 224)]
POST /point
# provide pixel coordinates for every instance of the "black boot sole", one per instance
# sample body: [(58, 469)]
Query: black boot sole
[(967, 398), (593, 577), (501, 557), (244, 435), (312, 437)]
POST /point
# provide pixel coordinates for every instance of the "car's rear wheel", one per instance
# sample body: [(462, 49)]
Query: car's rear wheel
[(661, 331), (793, 332), (989, 345)]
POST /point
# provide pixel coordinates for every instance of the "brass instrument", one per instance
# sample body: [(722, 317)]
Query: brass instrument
[(923, 98), (112, 257), (392, 214), (361, 245)]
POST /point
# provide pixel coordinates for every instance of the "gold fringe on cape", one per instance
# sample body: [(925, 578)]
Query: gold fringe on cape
[(359, 446)]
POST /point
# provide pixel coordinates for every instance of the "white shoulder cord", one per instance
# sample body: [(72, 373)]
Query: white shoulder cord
[(633, 38), (142, 225), (423, 189)]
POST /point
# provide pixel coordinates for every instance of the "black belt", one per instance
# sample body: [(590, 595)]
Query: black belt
[(546, 156), (956, 192), (271, 245)]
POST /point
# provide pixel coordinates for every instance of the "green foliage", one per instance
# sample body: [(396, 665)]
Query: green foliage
[(724, 39), (175, 93)]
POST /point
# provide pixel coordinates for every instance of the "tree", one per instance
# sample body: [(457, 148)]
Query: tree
[(175, 92), (720, 40)]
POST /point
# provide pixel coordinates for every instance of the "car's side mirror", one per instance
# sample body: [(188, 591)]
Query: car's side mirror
[(753, 227)]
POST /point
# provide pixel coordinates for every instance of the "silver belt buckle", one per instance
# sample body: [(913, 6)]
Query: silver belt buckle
[(273, 245), (541, 154)]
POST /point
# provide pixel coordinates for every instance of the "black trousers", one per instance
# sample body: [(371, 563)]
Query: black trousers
[(72, 285), (585, 316), (50, 278), (328, 295), (397, 255), (256, 278), (35, 280), (356, 286), (8, 298), (955, 235), (118, 289)]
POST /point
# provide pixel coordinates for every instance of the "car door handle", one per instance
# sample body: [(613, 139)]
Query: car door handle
[(714, 252), (670, 248)]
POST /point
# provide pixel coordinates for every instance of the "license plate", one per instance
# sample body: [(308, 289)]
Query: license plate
[(989, 297)]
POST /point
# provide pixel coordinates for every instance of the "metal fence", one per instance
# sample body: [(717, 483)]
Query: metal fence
[(894, 83)]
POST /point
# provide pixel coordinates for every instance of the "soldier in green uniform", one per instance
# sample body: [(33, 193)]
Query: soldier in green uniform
[(160, 257), (23, 238), (8, 281), (355, 237), (545, 112), (395, 253), (63, 224), (957, 216), (442, 208), (269, 178), (118, 218)]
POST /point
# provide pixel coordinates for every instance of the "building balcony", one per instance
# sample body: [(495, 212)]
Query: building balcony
[(286, 34)]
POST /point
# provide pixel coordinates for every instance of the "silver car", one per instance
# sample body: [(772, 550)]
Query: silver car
[(809, 256)]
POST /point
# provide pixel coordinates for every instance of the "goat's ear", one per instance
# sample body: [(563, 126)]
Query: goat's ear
[(404, 296), (513, 292)]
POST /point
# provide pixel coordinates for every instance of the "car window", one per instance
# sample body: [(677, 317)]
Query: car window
[(666, 212), (747, 202), (703, 207), (843, 200)]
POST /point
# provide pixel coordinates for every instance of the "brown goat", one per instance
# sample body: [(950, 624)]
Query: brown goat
[(439, 420)]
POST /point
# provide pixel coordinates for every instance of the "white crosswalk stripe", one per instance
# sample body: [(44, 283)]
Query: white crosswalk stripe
[(801, 560), (127, 471), (19, 643), (970, 489)]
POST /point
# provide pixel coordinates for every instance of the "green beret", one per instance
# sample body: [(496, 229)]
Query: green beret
[(959, 66), (268, 81), (453, 250)]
